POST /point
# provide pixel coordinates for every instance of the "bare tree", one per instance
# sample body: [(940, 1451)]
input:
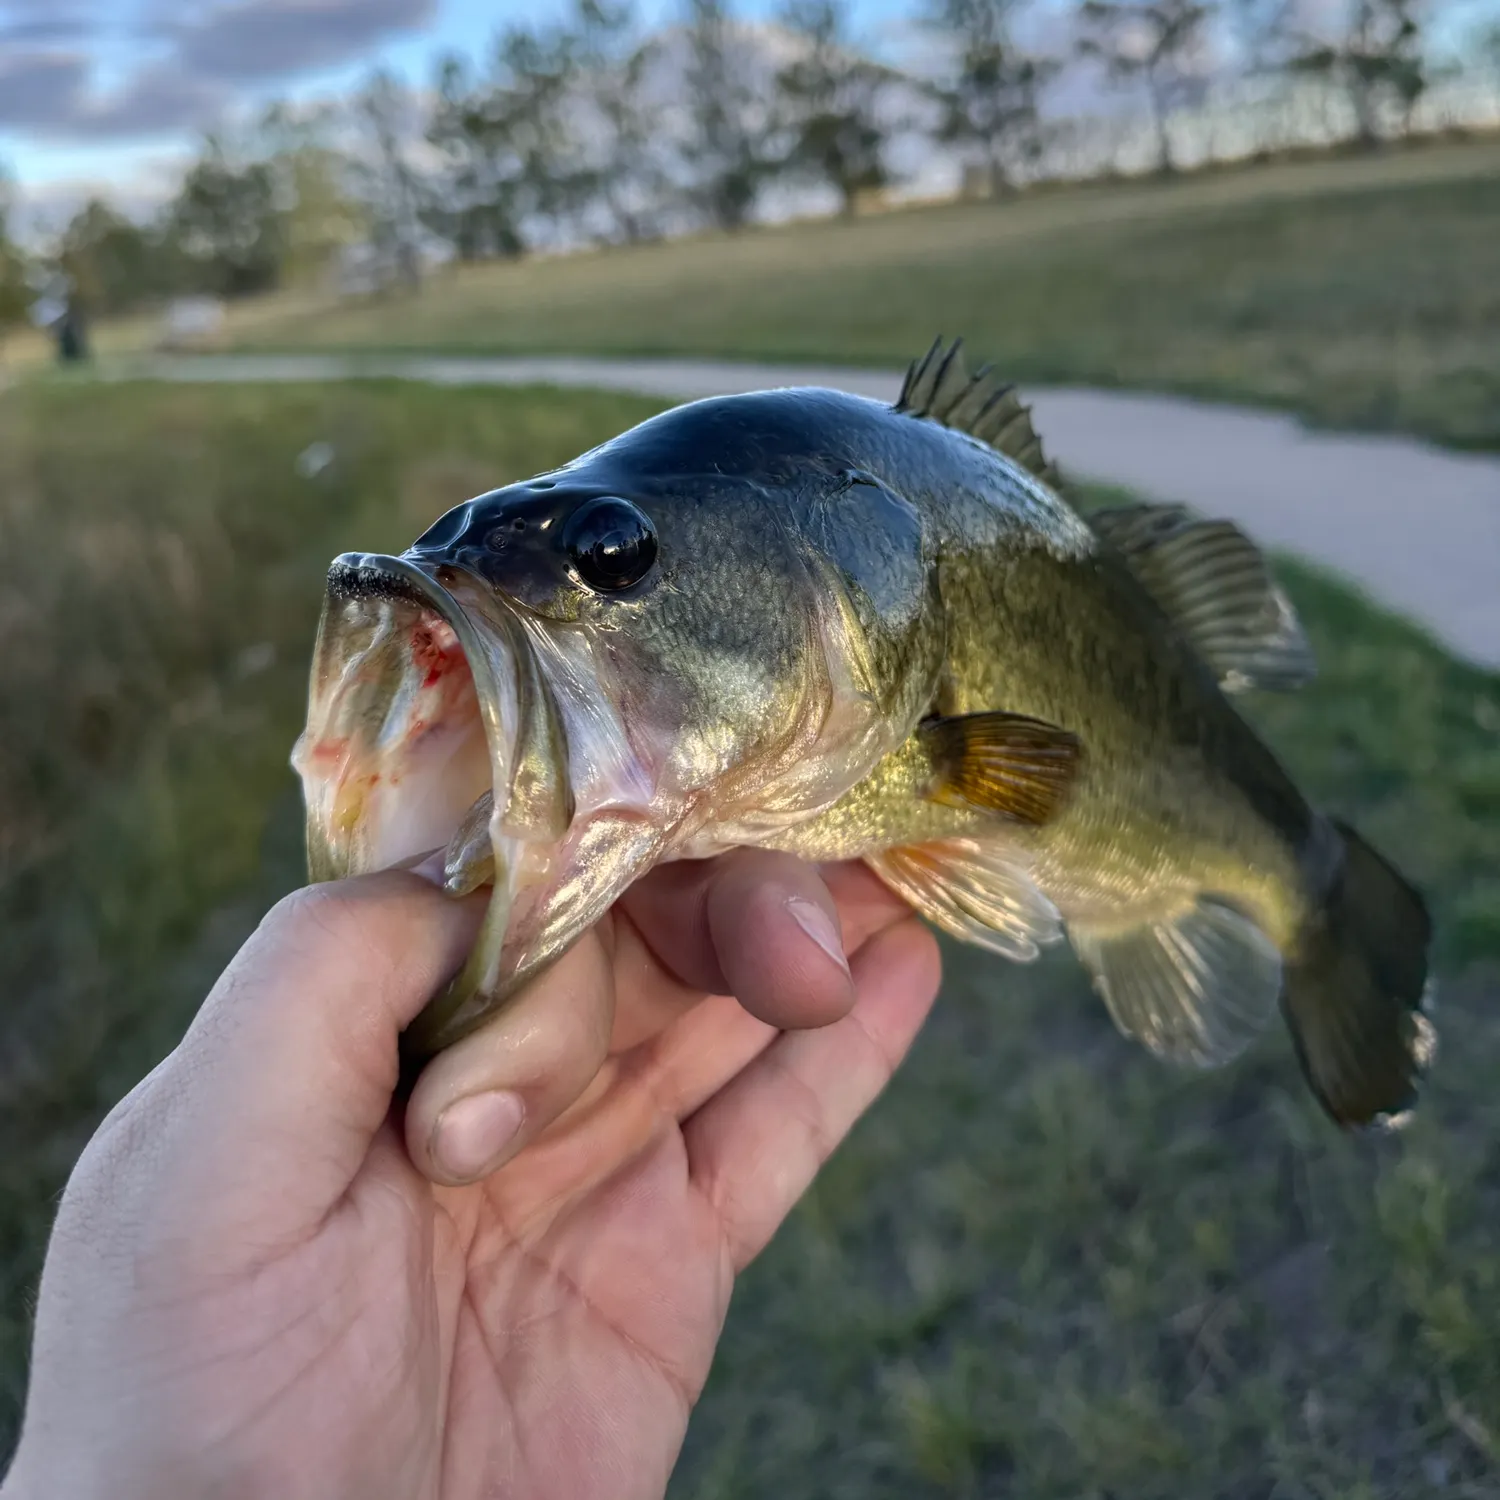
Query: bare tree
[(1155, 42), (833, 103), (990, 96), (389, 120), (731, 151)]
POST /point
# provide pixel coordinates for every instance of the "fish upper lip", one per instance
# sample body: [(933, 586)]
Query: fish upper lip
[(366, 575)]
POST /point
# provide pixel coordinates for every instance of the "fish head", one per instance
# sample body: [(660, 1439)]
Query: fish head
[(565, 681)]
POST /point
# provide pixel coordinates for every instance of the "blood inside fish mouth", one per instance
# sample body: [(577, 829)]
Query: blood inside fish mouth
[(408, 749)]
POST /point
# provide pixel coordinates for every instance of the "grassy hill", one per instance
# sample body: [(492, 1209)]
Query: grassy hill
[(1359, 292)]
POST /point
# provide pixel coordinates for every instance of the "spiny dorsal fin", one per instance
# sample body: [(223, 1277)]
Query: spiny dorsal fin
[(983, 405), (1213, 582), (1003, 763), (974, 889)]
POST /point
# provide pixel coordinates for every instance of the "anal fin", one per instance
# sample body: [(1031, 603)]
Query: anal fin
[(1196, 988), (975, 890)]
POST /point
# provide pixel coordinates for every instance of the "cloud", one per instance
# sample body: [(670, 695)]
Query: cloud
[(187, 69), (42, 32), (41, 88), (40, 22), (50, 93), (255, 40), (136, 192), (157, 100)]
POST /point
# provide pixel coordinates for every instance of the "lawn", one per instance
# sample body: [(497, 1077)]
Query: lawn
[(1360, 293), (1045, 1265)]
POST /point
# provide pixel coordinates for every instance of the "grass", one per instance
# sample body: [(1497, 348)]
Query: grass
[(1358, 292), (1045, 1265)]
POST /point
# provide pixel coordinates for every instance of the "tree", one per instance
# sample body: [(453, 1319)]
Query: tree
[(1377, 60), (627, 175), (476, 203), (833, 101), (1264, 30), (392, 194), (15, 292), (1485, 49), (731, 150), (225, 226), (1157, 42), (512, 164), (320, 216), (112, 263), (990, 96)]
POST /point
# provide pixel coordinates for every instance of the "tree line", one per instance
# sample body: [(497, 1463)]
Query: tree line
[(587, 129)]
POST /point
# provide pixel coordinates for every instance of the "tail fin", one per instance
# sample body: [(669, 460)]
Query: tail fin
[(1354, 995)]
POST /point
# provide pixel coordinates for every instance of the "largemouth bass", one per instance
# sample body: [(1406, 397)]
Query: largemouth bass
[(814, 622)]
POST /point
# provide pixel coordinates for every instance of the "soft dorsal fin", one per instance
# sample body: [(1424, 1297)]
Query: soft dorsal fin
[(986, 407), (1215, 585)]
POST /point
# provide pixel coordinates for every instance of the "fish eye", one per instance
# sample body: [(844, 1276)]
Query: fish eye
[(611, 544)]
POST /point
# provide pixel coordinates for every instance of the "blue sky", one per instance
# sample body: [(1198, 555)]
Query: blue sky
[(110, 93)]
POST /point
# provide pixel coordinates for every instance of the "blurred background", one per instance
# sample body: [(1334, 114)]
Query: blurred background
[(1046, 1265)]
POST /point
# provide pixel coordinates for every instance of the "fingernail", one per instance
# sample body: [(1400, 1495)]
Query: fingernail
[(818, 925), (471, 1134)]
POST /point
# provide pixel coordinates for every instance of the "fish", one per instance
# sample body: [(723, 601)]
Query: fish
[(852, 630)]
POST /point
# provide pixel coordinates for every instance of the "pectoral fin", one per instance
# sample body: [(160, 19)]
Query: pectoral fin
[(1004, 763), (1197, 987), (1213, 582), (974, 890)]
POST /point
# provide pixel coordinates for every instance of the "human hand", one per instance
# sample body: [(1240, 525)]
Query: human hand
[(255, 1288)]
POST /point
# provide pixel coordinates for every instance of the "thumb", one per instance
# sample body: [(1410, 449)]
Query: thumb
[(287, 1073)]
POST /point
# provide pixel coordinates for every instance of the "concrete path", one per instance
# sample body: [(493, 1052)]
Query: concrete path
[(1417, 526)]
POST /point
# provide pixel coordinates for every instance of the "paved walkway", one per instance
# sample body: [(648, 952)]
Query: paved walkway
[(1417, 526)]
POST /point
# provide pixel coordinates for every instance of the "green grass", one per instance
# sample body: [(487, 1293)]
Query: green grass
[(1046, 1265), (1360, 293)]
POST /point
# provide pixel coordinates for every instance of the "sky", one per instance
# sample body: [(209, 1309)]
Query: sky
[(111, 93)]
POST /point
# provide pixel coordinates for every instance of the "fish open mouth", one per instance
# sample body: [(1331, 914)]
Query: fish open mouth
[(404, 735), (429, 728)]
